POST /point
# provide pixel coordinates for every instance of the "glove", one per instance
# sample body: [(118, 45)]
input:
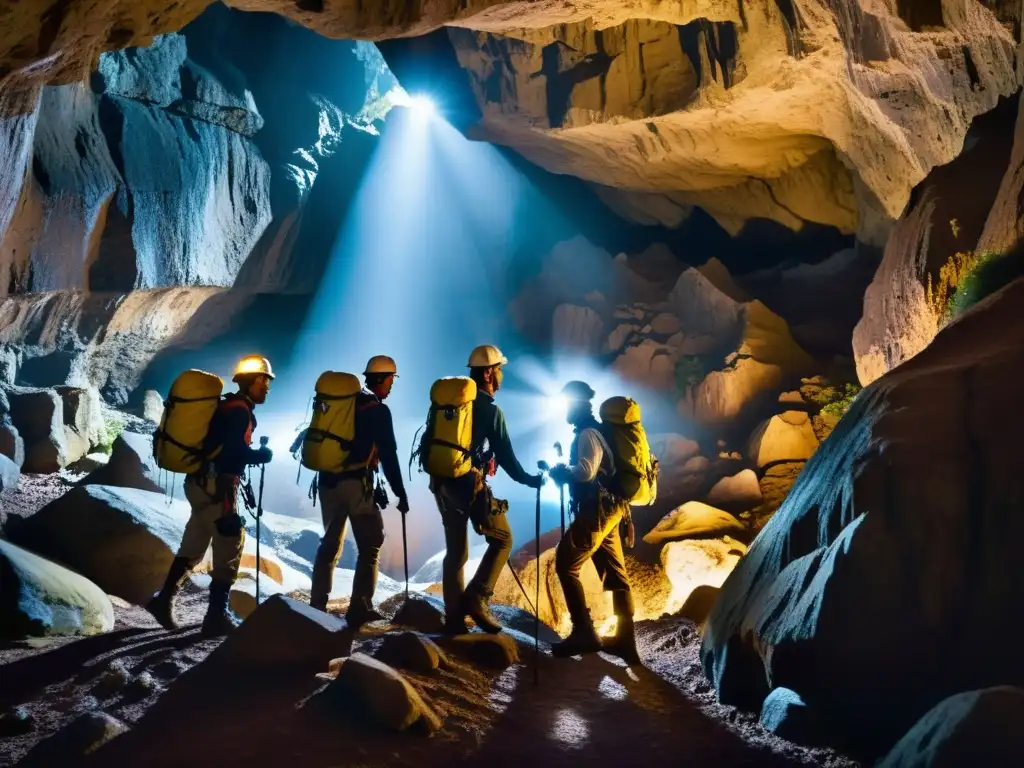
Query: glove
[(403, 505), (264, 455), (535, 481), (560, 474)]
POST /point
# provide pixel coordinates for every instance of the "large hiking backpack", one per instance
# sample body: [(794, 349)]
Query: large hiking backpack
[(445, 450), (179, 442), (332, 428), (636, 468)]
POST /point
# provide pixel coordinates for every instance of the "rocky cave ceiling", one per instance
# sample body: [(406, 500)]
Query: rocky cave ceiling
[(794, 111)]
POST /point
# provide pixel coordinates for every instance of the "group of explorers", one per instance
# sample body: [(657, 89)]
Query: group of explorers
[(350, 438)]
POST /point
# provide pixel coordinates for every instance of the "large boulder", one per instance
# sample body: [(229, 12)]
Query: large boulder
[(694, 563), (736, 493), (577, 329), (377, 690), (9, 474), (11, 444), (974, 728), (123, 539), (693, 520), (786, 437), (39, 597), (894, 558), (38, 415), (84, 427), (131, 465)]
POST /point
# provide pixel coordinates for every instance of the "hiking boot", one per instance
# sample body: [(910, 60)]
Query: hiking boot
[(320, 605), (361, 612), (583, 639), (475, 606), (161, 607), (454, 625), (219, 619), (623, 642)]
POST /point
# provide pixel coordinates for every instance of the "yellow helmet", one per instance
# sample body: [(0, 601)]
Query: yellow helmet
[(253, 364), (485, 356), (381, 364)]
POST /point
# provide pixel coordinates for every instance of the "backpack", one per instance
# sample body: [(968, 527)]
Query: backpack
[(445, 450), (636, 468), (332, 428), (178, 443)]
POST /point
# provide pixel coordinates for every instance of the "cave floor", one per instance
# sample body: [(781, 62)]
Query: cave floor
[(183, 712)]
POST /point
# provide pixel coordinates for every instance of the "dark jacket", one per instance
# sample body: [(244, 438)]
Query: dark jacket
[(231, 428), (374, 441), (489, 425)]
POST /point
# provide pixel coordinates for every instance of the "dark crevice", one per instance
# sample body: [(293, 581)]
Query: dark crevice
[(191, 130), (561, 84), (919, 14), (720, 46), (50, 24), (80, 145), (41, 175), (112, 124), (771, 194), (311, 6), (972, 70)]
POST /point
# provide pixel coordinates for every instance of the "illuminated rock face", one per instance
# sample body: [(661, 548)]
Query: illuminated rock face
[(895, 551), (782, 110)]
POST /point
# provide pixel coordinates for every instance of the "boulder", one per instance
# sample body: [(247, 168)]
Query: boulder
[(152, 406), (121, 538), (285, 634), (10, 359), (694, 520), (39, 597), (131, 465), (894, 559), (698, 605), (783, 438), (493, 651), (38, 415), (736, 493), (375, 689), (703, 309), (776, 483), (975, 728), (786, 715), (242, 597), (84, 427), (648, 363), (408, 650), (9, 474), (82, 736), (420, 613), (697, 562)]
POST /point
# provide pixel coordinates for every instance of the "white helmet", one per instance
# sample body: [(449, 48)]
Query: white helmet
[(253, 364), (381, 364), (485, 356)]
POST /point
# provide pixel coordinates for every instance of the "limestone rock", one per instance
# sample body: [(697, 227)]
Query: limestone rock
[(494, 651), (242, 598), (285, 633), (736, 493), (696, 562), (705, 310), (39, 597), (38, 415), (10, 359), (787, 437), (802, 608), (978, 727), (152, 406), (10, 475), (776, 483), (11, 444), (765, 358), (649, 364), (693, 520), (384, 694), (577, 329), (122, 539), (131, 465), (410, 651), (1004, 226), (420, 613), (84, 427)]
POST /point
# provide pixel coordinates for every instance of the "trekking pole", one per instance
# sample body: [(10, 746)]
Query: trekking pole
[(561, 492), (536, 613), (405, 556), (259, 513)]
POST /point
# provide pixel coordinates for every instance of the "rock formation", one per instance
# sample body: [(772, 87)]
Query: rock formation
[(867, 592)]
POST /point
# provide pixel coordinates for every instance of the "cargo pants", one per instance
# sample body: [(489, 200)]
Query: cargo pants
[(593, 534), (460, 501), (348, 499), (201, 530)]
